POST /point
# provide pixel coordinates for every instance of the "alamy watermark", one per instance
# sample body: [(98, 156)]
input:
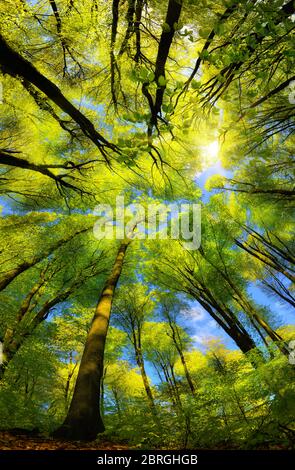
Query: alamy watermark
[(151, 221)]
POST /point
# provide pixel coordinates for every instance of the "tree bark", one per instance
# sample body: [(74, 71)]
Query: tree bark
[(277, 339), (83, 421), (177, 343), (7, 158), (230, 324), (12, 63), (148, 390)]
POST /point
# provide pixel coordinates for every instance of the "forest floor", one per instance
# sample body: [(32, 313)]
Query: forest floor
[(19, 441)]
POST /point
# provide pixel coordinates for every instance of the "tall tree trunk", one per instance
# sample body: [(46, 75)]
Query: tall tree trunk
[(256, 327), (175, 386), (102, 393), (177, 343), (136, 340), (146, 384), (148, 390), (278, 340), (242, 300), (186, 371), (230, 324), (117, 401), (284, 294), (69, 378), (263, 324), (170, 388), (83, 421)]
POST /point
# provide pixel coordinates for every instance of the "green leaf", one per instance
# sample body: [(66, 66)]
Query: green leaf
[(162, 80), (204, 55), (195, 85), (166, 28)]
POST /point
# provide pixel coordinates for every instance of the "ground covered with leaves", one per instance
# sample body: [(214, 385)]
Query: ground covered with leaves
[(19, 441)]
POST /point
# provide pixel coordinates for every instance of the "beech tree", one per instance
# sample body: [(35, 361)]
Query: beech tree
[(162, 104)]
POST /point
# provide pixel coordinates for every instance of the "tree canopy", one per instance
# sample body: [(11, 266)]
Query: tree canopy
[(174, 103)]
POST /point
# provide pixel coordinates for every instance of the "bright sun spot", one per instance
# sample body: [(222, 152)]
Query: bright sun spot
[(209, 157), (211, 153)]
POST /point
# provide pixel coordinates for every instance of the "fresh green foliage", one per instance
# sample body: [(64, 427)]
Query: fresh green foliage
[(174, 102)]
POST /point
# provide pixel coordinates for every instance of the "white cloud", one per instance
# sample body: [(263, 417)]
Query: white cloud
[(202, 338), (198, 339), (194, 313)]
